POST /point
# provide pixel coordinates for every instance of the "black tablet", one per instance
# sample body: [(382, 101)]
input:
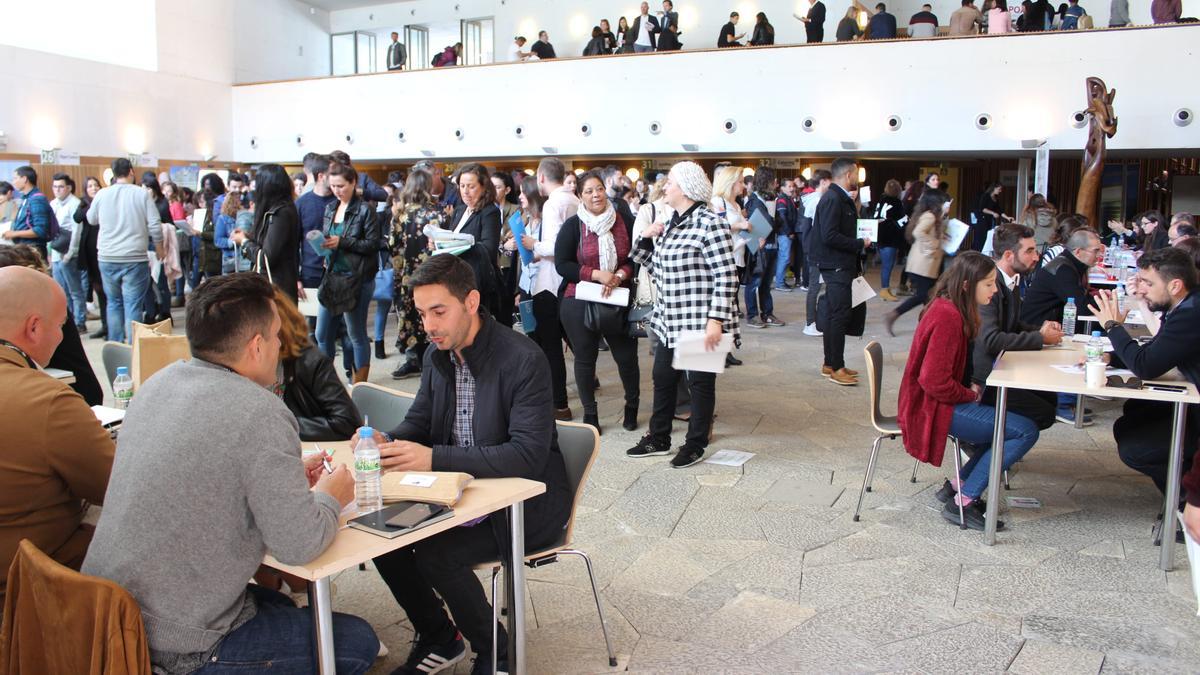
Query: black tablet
[(400, 518)]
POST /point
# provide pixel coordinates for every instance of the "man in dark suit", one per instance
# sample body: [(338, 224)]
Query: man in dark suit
[(669, 18), (1001, 330), (644, 37), (396, 56), (835, 253), (814, 22)]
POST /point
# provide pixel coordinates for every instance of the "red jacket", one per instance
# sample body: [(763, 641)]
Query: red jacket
[(932, 383)]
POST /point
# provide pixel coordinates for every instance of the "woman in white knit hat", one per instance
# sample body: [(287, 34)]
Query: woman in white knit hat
[(691, 263)]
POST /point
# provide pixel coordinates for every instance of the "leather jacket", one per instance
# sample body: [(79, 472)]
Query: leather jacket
[(318, 398)]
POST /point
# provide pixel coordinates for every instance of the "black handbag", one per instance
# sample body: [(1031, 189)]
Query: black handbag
[(604, 319), (62, 243), (637, 321), (338, 292)]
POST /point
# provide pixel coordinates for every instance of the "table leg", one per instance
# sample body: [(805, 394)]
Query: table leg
[(320, 603), (1079, 411), (1166, 557), (516, 591), (996, 470)]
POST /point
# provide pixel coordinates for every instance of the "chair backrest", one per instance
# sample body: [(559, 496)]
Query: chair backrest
[(873, 353), (383, 408), (57, 620), (579, 445), (114, 355)]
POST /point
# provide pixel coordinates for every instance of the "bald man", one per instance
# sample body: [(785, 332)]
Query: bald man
[(55, 456)]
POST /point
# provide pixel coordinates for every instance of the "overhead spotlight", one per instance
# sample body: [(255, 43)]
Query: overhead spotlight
[(349, 139), (849, 145), (549, 150), (655, 128), (1183, 117), (894, 122), (427, 153), (401, 136), (983, 121), (809, 124), (254, 142), (1032, 143), (458, 134), (729, 125), (585, 129), (1079, 119), (300, 140), (690, 147), (519, 132)]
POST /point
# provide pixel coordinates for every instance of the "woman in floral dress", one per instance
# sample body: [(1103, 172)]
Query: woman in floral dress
[(415, 209)]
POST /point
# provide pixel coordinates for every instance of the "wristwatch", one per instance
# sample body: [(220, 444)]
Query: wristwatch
[(1110, 324)]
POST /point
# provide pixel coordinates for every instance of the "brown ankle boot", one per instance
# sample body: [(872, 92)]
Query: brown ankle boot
[(360, 374)]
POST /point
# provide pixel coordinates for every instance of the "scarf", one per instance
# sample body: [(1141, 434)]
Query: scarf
[(601, 226)]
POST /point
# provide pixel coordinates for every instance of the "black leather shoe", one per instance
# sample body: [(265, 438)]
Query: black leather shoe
[(594, 420), (630, 421), (731, 360), (379, 353)]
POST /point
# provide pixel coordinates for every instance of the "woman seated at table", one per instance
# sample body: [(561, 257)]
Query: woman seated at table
[(309, 383), (936, 402)]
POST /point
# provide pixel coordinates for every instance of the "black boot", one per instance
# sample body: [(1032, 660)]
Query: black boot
[(630, 422), (594, 420), (379, 353), (102, 333)]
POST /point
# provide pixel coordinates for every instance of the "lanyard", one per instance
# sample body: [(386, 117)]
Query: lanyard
[(32, 364)]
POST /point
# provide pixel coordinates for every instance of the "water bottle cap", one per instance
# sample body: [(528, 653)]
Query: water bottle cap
[(1096, 333), (366, 432), (122, 370), (1070, 301)]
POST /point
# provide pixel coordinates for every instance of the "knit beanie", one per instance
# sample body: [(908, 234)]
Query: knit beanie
[(693, 181)]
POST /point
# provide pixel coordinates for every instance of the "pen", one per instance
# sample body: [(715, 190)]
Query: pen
[(325, 458)]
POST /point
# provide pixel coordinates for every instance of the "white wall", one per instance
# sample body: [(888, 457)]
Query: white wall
[(280, 40), (935, 87), (570, 23)]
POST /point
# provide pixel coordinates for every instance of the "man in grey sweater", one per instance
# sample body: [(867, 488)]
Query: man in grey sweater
[(128, 221), (208, 479)]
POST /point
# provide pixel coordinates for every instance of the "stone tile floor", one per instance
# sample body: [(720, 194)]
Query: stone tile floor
[(761, 569)]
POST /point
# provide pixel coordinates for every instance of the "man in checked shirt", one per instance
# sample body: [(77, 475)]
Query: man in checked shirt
[(484, 408)]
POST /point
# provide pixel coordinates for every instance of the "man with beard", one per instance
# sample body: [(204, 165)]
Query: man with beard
[(1167, 279)]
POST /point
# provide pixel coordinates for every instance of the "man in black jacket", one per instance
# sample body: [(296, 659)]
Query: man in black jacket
[(484, 408), (814, 22), (728, 36), (648, 41), (1000, 329), (1143, 432), (835, 253), (542, 48), (1063, 278)]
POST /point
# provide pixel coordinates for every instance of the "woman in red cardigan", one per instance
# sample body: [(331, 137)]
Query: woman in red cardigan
[(935, 402)]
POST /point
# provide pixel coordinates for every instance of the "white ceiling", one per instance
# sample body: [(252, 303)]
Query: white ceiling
[(335, 5)]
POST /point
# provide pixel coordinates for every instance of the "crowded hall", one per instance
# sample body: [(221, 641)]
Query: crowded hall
[(505, 336)]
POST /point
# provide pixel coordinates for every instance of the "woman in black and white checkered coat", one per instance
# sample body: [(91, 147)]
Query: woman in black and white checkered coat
[(695, 280)]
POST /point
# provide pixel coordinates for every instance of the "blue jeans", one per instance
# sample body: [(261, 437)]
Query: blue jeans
[(382, 307), (197, 270), (640, 49), (888, 255), (279, 639), (756, 290), (125, 285), (356, 327), (784, 241), (974, 423), (67, 275)]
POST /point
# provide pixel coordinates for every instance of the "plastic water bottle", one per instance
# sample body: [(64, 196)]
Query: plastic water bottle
[(123, 387), (1068, 322), (1095, 348), (367, 488), (1121, 295)]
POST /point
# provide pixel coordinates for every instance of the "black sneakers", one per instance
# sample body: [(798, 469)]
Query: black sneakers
[(407, 369), (648, 446), (686, 457), (430, 658), (483, 665), (973, 515)]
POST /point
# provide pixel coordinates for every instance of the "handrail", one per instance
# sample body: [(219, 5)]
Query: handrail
[(936, 38)]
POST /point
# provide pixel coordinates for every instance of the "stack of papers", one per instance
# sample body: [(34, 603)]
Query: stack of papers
[(594, 292), (690, 353), (108, 416), (448, 241), (956, 231)]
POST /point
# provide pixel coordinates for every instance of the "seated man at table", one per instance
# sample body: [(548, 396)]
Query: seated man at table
[(1168, 282), (57, 457), (484, 408), (1064, 277), (1015, 252), (208, 479)]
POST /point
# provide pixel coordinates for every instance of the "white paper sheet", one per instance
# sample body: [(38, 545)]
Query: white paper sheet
[(691, 355), (860, 291), (864, 194), (1078, 370), (1193, 552), (729, 457), (107, 415), (308, 305), (868, 228), (987, 243), (593, 292), (957, 231), (5, 227)]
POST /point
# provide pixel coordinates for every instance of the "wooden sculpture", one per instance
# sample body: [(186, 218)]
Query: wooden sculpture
[(1102, 124)]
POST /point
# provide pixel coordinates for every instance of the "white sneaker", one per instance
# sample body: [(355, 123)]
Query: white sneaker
[(811, 329)]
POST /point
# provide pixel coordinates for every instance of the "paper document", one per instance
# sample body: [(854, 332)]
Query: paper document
[(860, 291), (691, 355), (760, 227), (729, 457), (308, 305), (59, 373), (418, 480), (1193, 551), (957, 231), (864, 194), (1078, 370), (594, 292), (107, 415), (868, 229), (5, 227), (987, 243)]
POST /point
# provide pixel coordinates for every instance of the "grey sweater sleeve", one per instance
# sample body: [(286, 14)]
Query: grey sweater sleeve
[(296, 523)]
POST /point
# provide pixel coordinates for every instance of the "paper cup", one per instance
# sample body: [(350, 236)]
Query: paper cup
[(1094, 376)]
